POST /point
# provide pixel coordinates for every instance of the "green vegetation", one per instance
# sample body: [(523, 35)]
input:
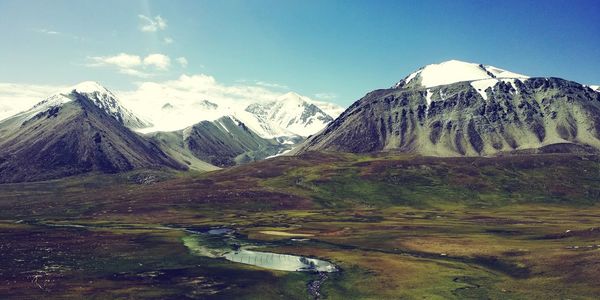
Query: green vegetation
[(399, 227)]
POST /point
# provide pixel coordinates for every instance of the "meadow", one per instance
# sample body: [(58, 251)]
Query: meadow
[(397, 227)]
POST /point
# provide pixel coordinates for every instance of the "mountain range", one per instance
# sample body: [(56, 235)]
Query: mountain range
[(289, 115), (86, 128), (449, 109)]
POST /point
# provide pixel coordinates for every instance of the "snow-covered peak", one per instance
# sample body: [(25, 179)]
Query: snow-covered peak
[(331, 109), (291, 95), (289, 114), (453, 71), (96, 94), (293, 98), (89, 87)]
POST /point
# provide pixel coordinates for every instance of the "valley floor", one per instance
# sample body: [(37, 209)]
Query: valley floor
[(397, 227)]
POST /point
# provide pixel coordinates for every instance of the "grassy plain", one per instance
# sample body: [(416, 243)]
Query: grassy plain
[(398, 226)]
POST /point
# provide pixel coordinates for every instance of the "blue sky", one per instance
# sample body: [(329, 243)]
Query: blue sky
[(328, 50)]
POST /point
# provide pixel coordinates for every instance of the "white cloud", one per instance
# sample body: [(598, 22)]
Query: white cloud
[(47, 31), (186, 93), (136, 73), (271, 85), (183, 62), (159, 61), (150, 24), (168, 40), (15, 97), (58, 34), (131, 64), (121, 60), (326, 96), (263, 83)]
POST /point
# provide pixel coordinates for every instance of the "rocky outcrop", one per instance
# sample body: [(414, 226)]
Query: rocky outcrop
[(467, 118)]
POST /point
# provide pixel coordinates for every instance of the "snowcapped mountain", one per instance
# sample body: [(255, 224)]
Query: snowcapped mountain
[(454, 71), (287, 116), (98, 95), (293, 113), (173, 116), (81, 130), (464, 109), (107, 101), (85, 128)]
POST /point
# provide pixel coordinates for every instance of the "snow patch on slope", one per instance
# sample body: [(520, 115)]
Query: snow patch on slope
[(482, 85), (428, 97), (500, 73)]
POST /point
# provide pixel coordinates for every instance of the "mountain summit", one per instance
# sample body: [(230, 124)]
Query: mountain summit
[(98, 95), (454, 71), (466, 109), (79, 130), (290, 114), (107, 101)]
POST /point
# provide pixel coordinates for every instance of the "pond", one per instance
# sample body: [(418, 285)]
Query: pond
[(223, 243)]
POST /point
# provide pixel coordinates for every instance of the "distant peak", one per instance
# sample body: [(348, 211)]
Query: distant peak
[(291, 95), (453, 71)]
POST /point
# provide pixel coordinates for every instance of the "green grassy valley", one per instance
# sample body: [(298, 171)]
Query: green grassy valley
[(397, 226)]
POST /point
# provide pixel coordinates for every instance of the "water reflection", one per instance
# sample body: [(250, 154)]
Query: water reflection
[(222, 243)]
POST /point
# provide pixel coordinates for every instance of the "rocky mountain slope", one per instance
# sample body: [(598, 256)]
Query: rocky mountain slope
[(465, 109), (86, 128), (81, 130), (108, 102), (224, 142)]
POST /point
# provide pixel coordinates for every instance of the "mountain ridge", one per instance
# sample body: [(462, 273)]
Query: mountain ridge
[(472, 115), (289, 115), (72, 137), (224, 142)]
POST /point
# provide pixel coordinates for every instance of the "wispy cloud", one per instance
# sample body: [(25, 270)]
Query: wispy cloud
[(168, 40), (271, 85), (47, 31), (131, 64), (159, 61), (136, 73), (148, 98), (121, 60), (183, 62), (326, 96), (150, 24), (189, 90), (56, 33), (263, 83)]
